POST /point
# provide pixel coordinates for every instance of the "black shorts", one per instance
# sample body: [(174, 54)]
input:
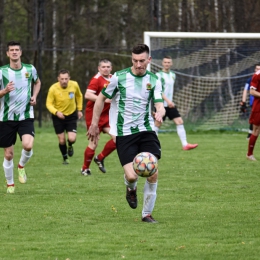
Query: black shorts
[(69, 124), (130, 145), (10, 129), (171, 113)]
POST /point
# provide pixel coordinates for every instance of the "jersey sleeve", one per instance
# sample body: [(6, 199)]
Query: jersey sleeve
[(79, 97), (50, 101), (110, 90), (93, 85), (34, 74), (255, 82), (158, 91)]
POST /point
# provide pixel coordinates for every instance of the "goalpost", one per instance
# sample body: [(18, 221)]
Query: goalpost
[(211, 72)]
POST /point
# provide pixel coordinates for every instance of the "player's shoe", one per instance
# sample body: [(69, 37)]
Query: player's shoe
[(251, 157), (149, 219), (131, 197), (10, 189), (100, 164), (85, 172), (189, 147), (70, 151), (22, 175), (65, 161)]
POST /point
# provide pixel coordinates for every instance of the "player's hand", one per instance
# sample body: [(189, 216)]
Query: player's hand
[(158, 117), (171, 105), (93, 134), (9, 87), (60, 115), (80, 114), (33, 101), (243, 106)]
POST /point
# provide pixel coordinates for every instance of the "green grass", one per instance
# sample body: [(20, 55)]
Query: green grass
[(207, 204)]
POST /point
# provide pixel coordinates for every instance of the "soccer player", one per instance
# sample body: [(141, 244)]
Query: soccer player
[(95, 86), (65, 101), (168, 79), (16, 111), (255, 115), (131, 91), (251, 99)]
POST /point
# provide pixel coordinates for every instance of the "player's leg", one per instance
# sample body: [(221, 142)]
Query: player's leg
[(250, 131), (59, 128), (252, 142), (71, 129), (26, 133), (127, 149), (88, 157), (150, 143), (175, 116), (8, 133), (109, 147)]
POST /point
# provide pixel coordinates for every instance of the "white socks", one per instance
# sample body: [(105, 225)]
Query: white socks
[(9, 169), (149, 198), (182, 134), (130, 185), (25, 156)]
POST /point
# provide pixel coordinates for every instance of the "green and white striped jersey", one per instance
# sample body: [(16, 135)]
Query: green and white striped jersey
[(131, 95), (168, 80), (15, 106)]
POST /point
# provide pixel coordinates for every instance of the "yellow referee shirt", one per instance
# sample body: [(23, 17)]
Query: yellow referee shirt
[(65, 100)]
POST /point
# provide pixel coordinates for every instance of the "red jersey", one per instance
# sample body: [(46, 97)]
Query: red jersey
[(96, 85), (255, 84)]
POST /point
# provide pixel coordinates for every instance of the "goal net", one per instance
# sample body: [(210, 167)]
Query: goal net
[(211, 72)]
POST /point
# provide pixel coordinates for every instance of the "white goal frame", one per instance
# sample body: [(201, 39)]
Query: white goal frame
[(148, 35)]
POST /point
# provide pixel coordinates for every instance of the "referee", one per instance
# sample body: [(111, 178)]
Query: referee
[(65, 101)]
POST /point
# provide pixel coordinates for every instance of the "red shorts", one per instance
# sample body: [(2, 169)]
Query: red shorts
[(103, 122), (255, 118)]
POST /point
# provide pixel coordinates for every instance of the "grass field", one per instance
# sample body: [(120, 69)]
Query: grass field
[(208, 204)]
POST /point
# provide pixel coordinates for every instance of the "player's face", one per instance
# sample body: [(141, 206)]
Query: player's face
[(14, 53), (140, 62), (64, 80), (105, 69), (166, 63), (257, 68)]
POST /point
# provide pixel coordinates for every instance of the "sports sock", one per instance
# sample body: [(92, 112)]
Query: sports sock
[(25, 156), (149, 198), (9, 171), (182, 134), (251, 144), (130, 185), (109, 147), (70, 143), (63, 150), (88, 156)]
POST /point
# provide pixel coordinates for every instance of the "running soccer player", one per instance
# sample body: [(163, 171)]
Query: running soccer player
[(95, 86), (131, 91), (65, 101), (243, 106), (255, 115), (168, 79), (16, 111)]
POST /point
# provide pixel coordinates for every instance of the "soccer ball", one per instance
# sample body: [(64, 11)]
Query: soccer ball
[(145, 164)]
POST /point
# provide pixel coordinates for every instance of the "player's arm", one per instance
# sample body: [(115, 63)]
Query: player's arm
[(36, 90), (9, 87), (160, 111), (90, 95), (169, 102), (93, 132), (254, 92)]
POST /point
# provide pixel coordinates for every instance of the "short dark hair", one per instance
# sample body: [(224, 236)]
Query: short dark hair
[(13, 43), (63, 71), (140, 48), (167, 57), (105, 60)]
